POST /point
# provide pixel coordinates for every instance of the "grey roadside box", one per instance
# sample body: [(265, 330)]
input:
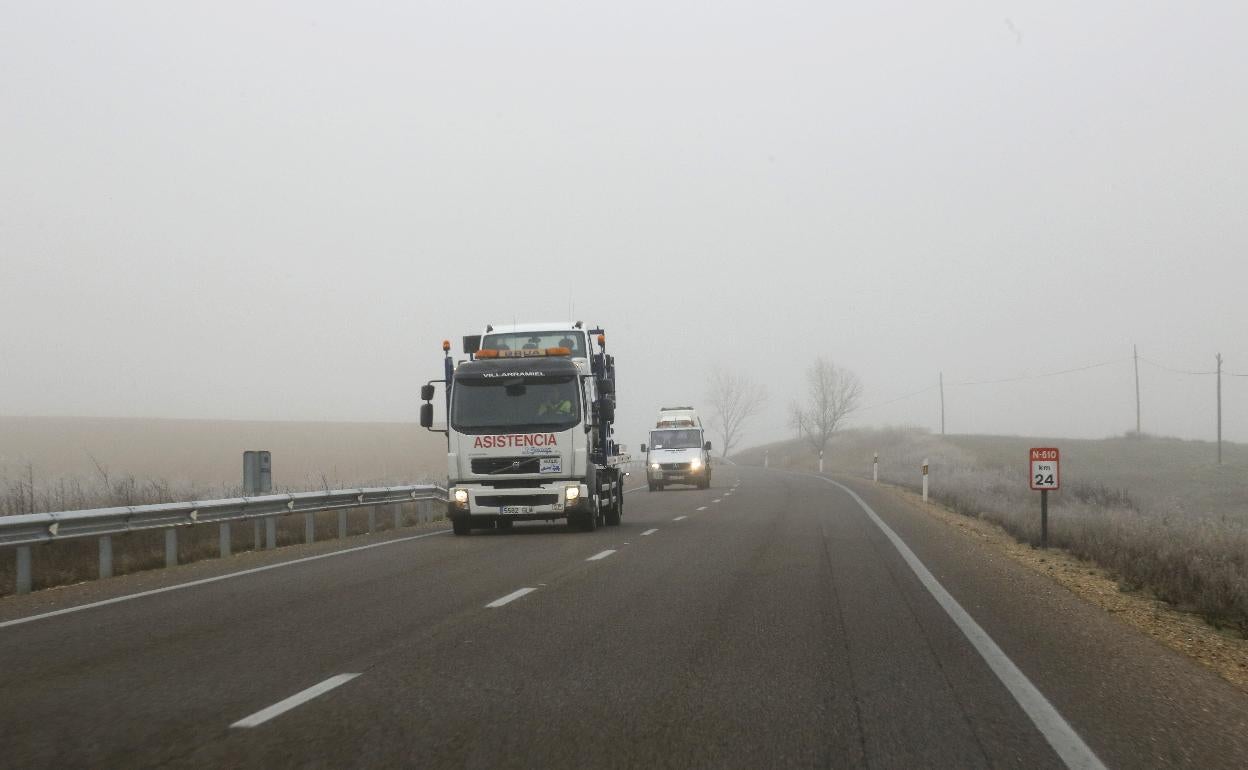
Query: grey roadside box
[(257, 472), (258, 480)]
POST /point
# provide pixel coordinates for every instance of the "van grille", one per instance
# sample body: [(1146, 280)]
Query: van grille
[(675, 466)]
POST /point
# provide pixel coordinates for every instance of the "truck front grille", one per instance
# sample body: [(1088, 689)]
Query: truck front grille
[(497, 501), (504, 465), (675, 466)]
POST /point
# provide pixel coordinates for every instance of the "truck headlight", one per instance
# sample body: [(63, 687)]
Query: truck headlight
[(571, 493), (695, 463), (654, 466), (461, 496)]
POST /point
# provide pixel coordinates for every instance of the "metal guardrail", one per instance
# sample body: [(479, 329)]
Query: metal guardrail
[(24, 531)]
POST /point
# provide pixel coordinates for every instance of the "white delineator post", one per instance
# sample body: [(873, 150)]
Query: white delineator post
[(821, 461), (875, 468), (925, 479), (766, 458)]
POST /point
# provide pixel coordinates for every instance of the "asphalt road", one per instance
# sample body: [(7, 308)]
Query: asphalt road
[(768, 621)]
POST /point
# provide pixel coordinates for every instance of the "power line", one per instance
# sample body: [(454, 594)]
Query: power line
[(884, 403), (1174, 370), (1046, 374)]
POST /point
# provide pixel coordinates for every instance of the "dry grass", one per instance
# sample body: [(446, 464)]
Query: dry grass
[(1152, 511)]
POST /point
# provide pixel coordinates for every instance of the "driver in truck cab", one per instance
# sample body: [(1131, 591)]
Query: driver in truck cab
[(555, 405)]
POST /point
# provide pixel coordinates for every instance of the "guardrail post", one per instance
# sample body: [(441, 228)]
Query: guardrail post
[(259, 537), (270, 532), (23, 569), (422, 510), (372, 520), (342, 523), (106, 557), (309, 528), (171, 547), (225, 539), (398, 515)]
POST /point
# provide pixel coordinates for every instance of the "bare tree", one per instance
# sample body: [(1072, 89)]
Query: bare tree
[(833, 394), (734, 398)]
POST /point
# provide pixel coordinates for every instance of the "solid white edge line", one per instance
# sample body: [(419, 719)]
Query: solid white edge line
[(601, 555), (299, 698), (1052, 725), (678, 518), (509, 598), (216, 578), (634, 489), (649, 532)]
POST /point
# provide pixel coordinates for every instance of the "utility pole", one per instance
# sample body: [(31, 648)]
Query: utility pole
[(1136, 355), (1219, 359), (942, 403)]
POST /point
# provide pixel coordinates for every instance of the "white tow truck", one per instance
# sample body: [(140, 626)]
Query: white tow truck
[(529, 423), (678, 452)]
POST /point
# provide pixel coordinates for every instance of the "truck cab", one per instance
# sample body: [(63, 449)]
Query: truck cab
[(529, 418), (678, 452)]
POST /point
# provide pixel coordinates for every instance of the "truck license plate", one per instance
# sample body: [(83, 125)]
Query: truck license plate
[(517, 509)]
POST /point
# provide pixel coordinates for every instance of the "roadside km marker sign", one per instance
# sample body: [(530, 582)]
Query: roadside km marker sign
[(1045, 472)]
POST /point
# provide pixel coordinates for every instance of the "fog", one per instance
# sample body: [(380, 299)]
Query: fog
[(278, 211)]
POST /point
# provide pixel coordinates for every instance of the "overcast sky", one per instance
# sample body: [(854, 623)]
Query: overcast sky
[(278, 210)]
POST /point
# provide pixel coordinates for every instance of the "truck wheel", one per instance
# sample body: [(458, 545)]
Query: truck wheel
[(615, 511), (652, 485), (462, 524), (588, 521)]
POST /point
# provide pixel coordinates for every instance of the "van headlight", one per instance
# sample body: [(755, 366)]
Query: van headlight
[(695, 463), (460, 496), (571, 493), (654, 466)]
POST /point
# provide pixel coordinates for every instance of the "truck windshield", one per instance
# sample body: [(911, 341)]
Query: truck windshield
[(515, 405), (675, 439), (574, 340)]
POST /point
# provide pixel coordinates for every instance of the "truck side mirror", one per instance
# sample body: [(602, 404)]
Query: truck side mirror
[(607, 410), (426, 414), (426, 392), (607, 387), (707, 446), (643, 448), (472, 343)]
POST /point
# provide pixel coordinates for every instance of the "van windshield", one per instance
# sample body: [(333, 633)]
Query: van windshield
[(515, 405), (675, 439)]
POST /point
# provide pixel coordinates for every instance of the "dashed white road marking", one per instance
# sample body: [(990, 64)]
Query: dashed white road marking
[(299, 698), (649, 532), (509, 598), (678, 518), (701, 507), (716, 500), (601, 555)]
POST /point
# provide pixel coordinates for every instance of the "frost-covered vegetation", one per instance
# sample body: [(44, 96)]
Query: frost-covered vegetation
[(1157, 512)]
